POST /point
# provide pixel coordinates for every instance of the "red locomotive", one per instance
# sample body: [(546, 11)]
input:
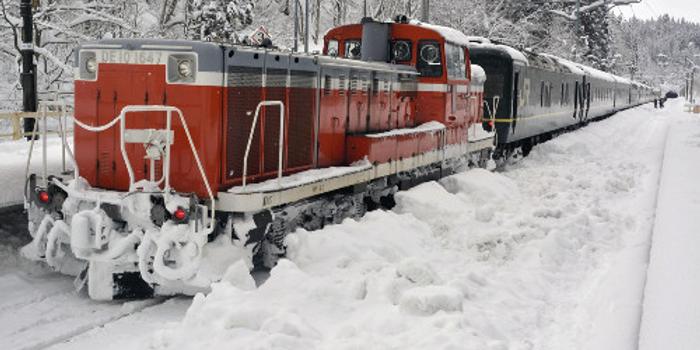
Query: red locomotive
[(191, 155)]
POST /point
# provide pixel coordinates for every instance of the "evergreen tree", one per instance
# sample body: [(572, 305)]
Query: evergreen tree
[(217, 20), (596, 38)]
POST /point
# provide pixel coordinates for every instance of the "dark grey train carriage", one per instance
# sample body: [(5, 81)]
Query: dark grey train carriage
[(531, 96)]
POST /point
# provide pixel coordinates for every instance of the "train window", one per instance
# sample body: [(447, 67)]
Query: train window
[(401, 51), (353, 49), (429, 59), (455, 61), (561, 99), (333, 48), (546, 94), (542, 94)]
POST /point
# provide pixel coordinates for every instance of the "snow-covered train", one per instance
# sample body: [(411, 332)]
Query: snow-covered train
[(191, 156), (538, 95)]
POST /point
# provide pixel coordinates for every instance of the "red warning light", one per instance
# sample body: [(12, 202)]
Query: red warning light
[(44, 197)]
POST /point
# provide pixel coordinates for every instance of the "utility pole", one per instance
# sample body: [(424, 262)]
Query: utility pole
[(296, 25), (577, 30), (306, 27), (364, 9), (425, 11), (28, 75)]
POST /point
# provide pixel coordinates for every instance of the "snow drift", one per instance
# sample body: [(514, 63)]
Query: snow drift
[(480, 260)]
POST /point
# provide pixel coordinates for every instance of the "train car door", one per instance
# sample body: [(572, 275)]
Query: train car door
[(588, 101), (576, 99), (516, 97)]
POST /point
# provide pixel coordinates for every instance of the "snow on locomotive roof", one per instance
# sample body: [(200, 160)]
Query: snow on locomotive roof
[(450, 34)]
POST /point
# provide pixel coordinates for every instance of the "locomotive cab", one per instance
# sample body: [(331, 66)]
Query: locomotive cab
[(438, 54)]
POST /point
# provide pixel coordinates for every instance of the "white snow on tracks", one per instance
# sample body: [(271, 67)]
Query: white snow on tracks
[(40, 308), (548, 254)]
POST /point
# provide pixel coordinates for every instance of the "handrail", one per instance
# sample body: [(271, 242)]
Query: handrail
[(43, 114), (121, 119), (166, 163), (252, 132)]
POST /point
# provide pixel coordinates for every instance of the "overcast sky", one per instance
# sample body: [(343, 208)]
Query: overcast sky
[(688, 9)]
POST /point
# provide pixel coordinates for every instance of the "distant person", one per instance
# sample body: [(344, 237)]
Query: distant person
[(656, 103), (661, 102)]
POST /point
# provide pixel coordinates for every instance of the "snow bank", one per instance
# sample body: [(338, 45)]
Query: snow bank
[(671, 312), (534, 257)]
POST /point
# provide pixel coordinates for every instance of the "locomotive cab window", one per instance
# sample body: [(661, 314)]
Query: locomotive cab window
[(456, 62), (353, 49), (401, 51), (332, 48), (429, 59)]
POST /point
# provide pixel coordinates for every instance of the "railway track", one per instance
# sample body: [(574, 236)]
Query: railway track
[(40, 309), (13, 221)]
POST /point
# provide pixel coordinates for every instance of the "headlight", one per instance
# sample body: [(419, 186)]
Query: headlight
[(184, 68), (91, 65)]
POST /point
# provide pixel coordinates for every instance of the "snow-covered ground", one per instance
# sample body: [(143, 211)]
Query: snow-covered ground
[(550, 253), (671, 310)]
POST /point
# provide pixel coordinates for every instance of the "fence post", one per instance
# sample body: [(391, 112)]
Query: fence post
[(16, 127)]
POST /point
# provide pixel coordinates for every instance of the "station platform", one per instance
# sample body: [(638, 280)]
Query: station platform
[(671, 311)]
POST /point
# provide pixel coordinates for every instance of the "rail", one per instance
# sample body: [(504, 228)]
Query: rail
[(252, 132)]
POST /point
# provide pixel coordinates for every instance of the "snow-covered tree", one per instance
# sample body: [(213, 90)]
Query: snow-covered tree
[(218, 20), (596, 38)]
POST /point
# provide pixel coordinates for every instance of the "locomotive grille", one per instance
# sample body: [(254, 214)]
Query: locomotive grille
[(244, 94), (275, 83), (302, 107)]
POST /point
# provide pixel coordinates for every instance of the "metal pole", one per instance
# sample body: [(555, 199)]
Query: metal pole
[(692, 85), (577, 30), (425, 11), (28, 75), (306, 26), (364, 9), (296, 25)]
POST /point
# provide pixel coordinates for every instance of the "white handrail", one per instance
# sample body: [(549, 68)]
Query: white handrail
[(121, 119), (166, 163), (252, 132), (43, 114)]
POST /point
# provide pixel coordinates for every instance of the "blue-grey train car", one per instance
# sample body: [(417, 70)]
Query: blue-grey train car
[(529, 96)]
